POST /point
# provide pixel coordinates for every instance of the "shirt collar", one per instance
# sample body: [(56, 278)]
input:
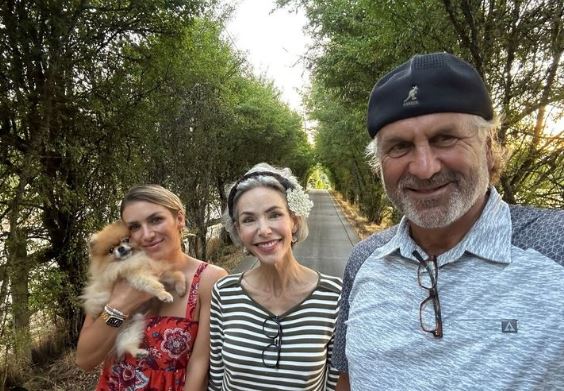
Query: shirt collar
[(489, 238)]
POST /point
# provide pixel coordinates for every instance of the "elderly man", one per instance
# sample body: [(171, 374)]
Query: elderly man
[(467, 292)]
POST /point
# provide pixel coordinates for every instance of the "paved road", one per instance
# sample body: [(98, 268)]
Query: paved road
[(330, 239)]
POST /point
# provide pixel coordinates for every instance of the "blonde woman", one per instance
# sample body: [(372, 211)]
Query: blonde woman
[(177, 333)]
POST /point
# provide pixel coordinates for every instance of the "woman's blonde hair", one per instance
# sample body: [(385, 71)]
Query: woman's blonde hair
[(155, 194)]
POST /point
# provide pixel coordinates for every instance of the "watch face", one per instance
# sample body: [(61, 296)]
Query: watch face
[(114, 322)]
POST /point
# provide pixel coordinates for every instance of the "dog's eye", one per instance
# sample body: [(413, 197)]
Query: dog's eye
[(111, 250), (125, 240)]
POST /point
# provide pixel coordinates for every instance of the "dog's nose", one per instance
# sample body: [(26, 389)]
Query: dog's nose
[(122, 250)]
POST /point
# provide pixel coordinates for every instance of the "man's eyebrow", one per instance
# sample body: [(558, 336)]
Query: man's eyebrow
[(447, 128), (392, 140)]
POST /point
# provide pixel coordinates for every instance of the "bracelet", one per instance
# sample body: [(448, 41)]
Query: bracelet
[(115, 312)]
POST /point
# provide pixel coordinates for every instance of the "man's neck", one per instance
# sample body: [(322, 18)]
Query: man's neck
[(436, 241)]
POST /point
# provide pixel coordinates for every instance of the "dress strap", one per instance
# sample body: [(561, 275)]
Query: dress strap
[(193, 292)]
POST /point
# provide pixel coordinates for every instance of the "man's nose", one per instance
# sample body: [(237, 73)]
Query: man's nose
[(425, 162)]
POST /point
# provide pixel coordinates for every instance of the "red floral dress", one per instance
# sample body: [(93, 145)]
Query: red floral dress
[(169, 340)]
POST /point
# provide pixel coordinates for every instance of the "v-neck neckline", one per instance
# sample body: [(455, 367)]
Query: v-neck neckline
[(287, 312)]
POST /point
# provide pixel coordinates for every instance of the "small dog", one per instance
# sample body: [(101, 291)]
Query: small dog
[(112, 258)]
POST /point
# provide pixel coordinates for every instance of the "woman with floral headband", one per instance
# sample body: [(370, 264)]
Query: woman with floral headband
[(271, 327)]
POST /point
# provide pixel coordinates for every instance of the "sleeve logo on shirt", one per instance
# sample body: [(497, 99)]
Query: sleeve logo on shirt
[(509, 326)]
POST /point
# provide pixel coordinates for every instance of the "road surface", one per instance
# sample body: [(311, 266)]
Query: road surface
[(330, 239)]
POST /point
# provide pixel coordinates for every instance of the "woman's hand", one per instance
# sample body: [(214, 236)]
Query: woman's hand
[(126, 298)]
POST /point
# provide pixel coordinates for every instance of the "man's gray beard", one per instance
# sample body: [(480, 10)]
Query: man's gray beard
[(430, 213)]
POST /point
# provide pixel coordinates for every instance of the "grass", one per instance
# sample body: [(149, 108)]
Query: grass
[(62, 375), (359, 223)]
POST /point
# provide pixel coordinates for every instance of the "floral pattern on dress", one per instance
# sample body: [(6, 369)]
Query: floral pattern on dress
[(176, 342), (127, 378)]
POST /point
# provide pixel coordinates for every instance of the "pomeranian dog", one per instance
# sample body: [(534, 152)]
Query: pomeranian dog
[(113, 258)]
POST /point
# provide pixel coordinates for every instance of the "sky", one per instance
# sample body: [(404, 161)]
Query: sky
[(273, 43)]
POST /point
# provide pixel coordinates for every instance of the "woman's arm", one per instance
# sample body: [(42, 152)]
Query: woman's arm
[(96, 338), (198, 365), (343, 383)]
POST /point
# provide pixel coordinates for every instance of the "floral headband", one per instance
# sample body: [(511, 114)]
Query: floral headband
[(298, 200)]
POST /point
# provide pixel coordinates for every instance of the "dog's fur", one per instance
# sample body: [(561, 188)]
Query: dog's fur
[(111, 259)]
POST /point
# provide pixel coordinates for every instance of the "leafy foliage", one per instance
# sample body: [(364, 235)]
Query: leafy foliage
[(97, 96), (516, 46)]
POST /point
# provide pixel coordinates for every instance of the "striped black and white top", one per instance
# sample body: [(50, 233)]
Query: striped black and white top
[(245, 340)]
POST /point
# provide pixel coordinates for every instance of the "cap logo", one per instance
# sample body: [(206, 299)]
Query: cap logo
[(411, 97)]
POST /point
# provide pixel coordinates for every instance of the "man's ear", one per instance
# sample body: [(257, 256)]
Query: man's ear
[(489, 154)]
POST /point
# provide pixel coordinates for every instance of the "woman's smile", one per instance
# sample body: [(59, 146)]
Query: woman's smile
[(271, 244)]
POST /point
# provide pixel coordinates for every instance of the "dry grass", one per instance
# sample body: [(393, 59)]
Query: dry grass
[(225, 256), (62, 375), (231, 261), (360, 224)]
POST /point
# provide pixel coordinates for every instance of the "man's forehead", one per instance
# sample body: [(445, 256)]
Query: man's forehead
[(425, 125)]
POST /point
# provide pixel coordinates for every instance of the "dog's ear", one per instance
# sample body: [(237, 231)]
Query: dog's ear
[(92, 241)]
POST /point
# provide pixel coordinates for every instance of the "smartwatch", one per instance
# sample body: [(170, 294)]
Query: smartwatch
[(111, 319)]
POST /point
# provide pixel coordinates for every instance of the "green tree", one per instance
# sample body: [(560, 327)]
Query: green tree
[(214, 119), (516, 46), (65, 92)]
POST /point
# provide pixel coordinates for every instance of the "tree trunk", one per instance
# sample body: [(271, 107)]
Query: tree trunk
[(18, 267)]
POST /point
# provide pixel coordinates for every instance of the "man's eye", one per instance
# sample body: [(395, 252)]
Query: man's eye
[(398, 149), (444, 140)]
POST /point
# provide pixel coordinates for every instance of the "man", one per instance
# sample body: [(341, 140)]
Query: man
[(466, 292)]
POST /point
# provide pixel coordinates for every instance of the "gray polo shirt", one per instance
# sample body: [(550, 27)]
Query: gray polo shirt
[(502, 310)]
